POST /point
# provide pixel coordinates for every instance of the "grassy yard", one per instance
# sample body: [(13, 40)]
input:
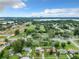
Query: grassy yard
[(37, 57), (63, 57), (14, 57), (46, 46), (50, 57), (71, 46), (1, 36)]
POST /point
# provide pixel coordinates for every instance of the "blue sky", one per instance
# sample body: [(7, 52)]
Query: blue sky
[(37, 8)]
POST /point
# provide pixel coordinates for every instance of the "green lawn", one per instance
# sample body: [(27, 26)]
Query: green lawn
[(1, 36), (14, 57), (77, 55), (46, 46), (37, 57), (13, 37), (63, 57), (50, 57), (71, 46)]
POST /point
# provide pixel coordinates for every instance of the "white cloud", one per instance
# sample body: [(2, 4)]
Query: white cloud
[(64, 12), (19, 5), (12, 3)]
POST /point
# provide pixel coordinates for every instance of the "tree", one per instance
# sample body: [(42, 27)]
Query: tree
[(29, 42), (66, 34), (56, 44), (31, 29), (25, 30), (17, 32), (76, 31), (1, 53), (6, 40), (58, 54), (51, 33), (42, 29), (63, 45), (35, 44), (75, 57), (18, 45), (68, 42), (45, 43), (51, 52), (4, 54)]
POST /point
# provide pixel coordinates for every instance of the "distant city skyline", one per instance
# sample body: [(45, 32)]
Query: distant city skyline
[(39, 8)]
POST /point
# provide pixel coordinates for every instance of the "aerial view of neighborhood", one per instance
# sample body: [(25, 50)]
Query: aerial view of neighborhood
[(39, 29)]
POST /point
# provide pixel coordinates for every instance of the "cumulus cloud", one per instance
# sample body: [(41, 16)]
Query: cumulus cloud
[(12, 3), (64, 12)]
